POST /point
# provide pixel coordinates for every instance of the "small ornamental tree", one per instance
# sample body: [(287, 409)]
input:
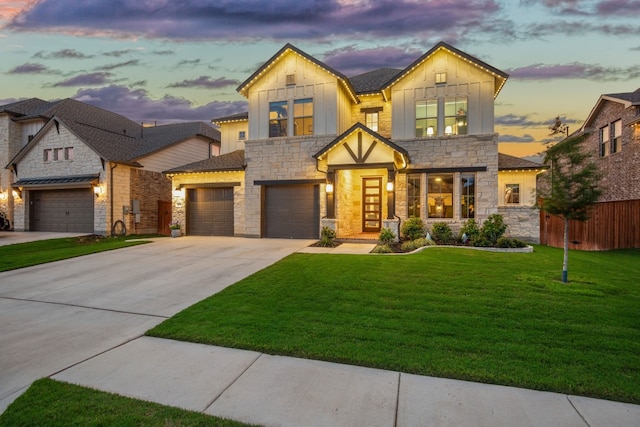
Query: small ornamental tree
[(571, 187)]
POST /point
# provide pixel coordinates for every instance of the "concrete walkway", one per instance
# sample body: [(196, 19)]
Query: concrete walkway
[(82, 320)]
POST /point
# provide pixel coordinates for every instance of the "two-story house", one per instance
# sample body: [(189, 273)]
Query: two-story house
[(611, 137), (74, 167), (357, 154)]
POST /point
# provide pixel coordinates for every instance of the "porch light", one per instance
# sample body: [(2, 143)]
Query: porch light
[(389, 185), (17, 194), (329, 188), (448, 130), (97, 190), (178, 193), (3, 196), (430, 131)]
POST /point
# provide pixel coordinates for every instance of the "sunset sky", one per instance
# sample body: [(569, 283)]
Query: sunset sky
[(166, 61)]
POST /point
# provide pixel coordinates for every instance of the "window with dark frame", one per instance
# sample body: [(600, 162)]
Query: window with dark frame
[(413, 195), (468, 191), (455, 116), (440, 195), (512, 194), (371, 121), (616, 136), (427, 118), (604, 141), (278, 114)]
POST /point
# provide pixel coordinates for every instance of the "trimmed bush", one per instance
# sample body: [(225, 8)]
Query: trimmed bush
[(387, 236), (506, 242), (412, 245), (382, 249), (412, 229), (493, 228), (441, 233), (471, 229)]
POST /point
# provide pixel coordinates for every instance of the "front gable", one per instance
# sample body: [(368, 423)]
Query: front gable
[(360, 147)]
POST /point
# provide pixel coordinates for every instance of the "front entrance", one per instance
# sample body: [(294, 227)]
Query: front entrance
[(371, 204)]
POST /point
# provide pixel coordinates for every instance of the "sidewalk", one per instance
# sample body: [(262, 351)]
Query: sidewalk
[(283, 391)]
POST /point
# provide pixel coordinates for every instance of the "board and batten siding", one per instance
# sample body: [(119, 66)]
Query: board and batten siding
[(463, 80), (189, 151), (229, 133), (331, 105)]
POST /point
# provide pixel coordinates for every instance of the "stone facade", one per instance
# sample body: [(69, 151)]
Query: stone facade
[(617, 168), (523, 222)]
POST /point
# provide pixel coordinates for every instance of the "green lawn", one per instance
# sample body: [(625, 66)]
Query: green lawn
[(22, 255), (449, 312), (53, 403)]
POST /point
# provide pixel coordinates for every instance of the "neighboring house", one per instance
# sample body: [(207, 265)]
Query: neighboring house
[(74, 167), (612, 138), (355, 154), (517, 196)]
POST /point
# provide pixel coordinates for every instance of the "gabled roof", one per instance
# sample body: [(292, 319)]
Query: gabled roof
[(507, 162), (112, 136), (229, 162), (499, 76), (627, 99), (363, 128), (242, 89), (240, 117)]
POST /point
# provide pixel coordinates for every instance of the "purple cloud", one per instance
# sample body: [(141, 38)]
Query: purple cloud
[(617, 7), (62, 54), (89, 79), (351, 61), (574, 70), (137, 105), (281, 19), (130, 63), (519, 121), (31, 68), (526, 138), (205, 82)]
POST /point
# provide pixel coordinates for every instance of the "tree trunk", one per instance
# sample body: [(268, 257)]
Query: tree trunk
[(565, 261)]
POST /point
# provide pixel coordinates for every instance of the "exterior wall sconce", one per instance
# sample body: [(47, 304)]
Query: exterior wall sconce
[(98, 190), (430, 131), (17, 194), (3, 196), (389, 185), (178, 193), (448, 130), (329, 188)]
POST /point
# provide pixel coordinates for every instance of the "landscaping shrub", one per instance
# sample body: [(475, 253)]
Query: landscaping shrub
[(327, 237), (441, 233), (506, 242), (412, 245), (382, 249), (387, 236), (412, 229), (471, 229), (493, 228)]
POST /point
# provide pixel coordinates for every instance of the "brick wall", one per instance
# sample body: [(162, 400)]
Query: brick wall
[(148, 187)]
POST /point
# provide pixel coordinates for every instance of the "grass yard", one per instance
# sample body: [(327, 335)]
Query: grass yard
[(52, 403), (448, 312), (22, 255)]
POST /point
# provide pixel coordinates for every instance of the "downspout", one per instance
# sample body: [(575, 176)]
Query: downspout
[(115, 165)]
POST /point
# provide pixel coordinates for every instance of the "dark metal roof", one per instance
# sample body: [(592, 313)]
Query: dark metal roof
[(75, 179), (229, 162), (507, 162), (373, 81)]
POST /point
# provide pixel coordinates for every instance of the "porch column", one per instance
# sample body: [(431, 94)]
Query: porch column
[(330, 190), (391, 194)]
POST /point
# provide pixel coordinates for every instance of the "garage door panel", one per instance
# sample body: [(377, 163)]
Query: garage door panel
[(62, 210), (210, 211), (292, 211)]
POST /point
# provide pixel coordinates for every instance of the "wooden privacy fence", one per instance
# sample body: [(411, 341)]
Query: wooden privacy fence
[(611, 225)]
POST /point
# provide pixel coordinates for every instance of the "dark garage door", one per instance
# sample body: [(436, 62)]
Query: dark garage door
[(61, 210), (292, 211), (210, 211)]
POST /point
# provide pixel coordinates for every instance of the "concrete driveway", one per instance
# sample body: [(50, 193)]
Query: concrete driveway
[(56, 315)]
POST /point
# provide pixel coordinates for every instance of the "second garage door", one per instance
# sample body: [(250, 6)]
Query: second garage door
[(292, 211), (210, 211), (62, 210)]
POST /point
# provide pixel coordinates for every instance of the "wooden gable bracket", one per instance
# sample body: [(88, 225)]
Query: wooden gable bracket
[(359, 158)]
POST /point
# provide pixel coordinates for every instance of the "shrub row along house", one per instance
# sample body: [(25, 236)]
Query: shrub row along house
[(611, 137), (315, 149), (78, 168), (358, 154)]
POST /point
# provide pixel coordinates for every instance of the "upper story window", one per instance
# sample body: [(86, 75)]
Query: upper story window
[(604, 141), (616, 136), (242, 135), (278, 112), (441, 78), (57, 154), (303, 117), (371, 120), (427, 118), (68, 153), (455, 116)]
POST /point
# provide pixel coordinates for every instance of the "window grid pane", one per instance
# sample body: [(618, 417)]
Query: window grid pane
[(278, 112), (303, 117), (455, 121), (440, 195), (413, 195), (468, 189), (426, 118)]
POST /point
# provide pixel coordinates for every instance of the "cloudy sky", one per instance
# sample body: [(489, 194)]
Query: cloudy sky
[(165, 60)]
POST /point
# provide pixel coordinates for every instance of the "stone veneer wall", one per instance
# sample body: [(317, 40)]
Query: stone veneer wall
[(523, 222), (148, 187), (453, 152), (121, 181), (178, 212), (279, 159), (10, 144)]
